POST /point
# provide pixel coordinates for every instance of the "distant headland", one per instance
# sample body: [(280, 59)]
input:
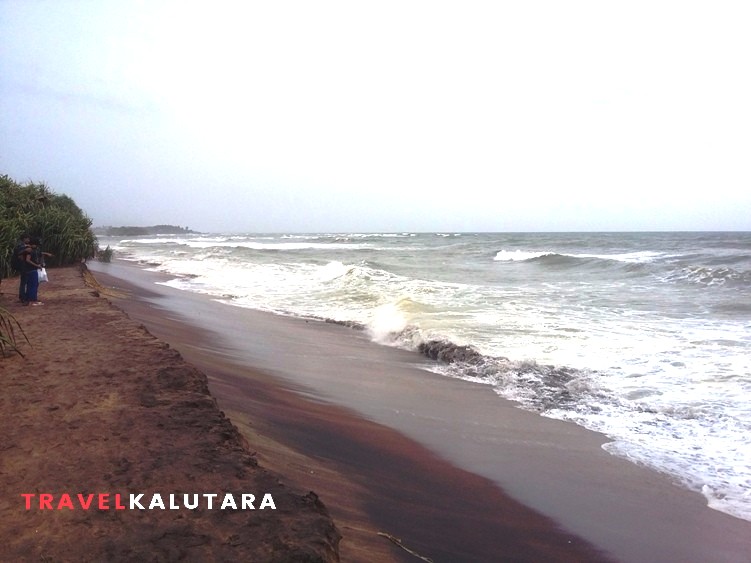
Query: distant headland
[(137, 231)]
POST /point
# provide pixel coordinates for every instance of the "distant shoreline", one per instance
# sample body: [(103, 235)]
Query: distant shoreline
[(132, 231)]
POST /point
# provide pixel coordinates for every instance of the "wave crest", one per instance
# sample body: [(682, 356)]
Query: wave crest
[(520, 255), (551, 257)]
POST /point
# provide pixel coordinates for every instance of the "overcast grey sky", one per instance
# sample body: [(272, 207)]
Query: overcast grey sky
[(383, 116)]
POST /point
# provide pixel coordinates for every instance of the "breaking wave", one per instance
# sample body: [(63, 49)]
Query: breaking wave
[(550, 257)]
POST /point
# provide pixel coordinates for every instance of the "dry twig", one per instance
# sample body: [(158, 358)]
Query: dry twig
[(398, 542)]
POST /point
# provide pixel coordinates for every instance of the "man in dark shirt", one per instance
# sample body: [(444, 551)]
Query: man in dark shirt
[(18, 251)]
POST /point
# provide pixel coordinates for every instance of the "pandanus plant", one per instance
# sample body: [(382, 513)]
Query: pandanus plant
[(67, 236), (34, 208)]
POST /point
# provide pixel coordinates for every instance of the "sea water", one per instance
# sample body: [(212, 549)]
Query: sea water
[(645, 337)]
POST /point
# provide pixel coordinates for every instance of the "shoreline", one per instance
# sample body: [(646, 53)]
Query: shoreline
[(553, 467), (375, 482)]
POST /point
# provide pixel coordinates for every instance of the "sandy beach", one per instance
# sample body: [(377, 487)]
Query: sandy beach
[(391, 450), (98, 407)]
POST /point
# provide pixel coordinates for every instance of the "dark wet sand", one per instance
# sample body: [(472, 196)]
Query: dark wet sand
[(454, 471)]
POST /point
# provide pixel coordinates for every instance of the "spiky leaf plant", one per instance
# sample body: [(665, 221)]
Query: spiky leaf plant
[(9, 328), (35, 209)]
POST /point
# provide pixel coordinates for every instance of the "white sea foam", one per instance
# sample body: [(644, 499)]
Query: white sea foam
[(519, 255), (629, 257), (386, 321)]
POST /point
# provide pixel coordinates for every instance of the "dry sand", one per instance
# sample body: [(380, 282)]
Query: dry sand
[(98, 405)]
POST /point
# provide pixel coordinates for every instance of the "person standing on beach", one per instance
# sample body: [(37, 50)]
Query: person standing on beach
[(31, 269), (18, 251)]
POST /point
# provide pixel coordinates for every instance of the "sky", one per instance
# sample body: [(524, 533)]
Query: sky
[(321, 116)]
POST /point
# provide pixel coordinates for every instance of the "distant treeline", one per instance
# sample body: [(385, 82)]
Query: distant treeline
[(137, 231), (33, 208)]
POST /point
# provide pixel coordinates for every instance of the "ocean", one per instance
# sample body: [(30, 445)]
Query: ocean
[(645, 337)]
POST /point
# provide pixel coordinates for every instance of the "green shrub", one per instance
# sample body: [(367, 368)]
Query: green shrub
[(35, 209)]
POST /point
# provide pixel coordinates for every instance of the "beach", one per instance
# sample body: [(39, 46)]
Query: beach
[(391, 450)]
